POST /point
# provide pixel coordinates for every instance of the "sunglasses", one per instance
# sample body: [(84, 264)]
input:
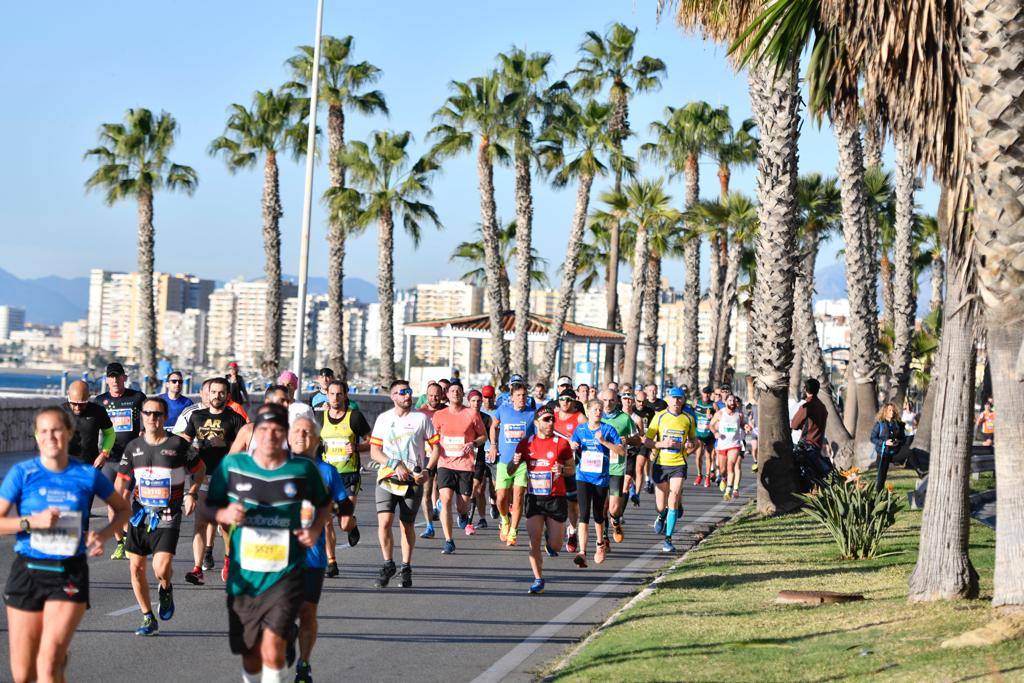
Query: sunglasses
[(547, 418), (174, 381), (404, 392), (78, 404), (153, 413)]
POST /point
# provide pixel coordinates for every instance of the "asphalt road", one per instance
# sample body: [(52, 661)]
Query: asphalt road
[(468, 616)]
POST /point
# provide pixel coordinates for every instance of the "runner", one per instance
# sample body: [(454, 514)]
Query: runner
[(398, 444), (540, 394), (435, 401), (482, 474), (705, 409), (343, 433), (628, 434), (673, 433), (506, 395), (124, 407), (656, 404), (512, 423), (303, 442), (211, 430), (987, 421), (157, 463), (596, 442), (47, 589), (646, 413), (728, 425), (204, 402), (567, 419), (633, 479), (276, 394), (323, 379), (236, 384), (461, 432), (172, 396), (489, 407), (88, 421), (543, 456), (276, 507), (751, 429), (563, 384)]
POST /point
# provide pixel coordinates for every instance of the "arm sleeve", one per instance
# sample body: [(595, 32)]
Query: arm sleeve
[(109, 436), (10, 490), (101, 486)]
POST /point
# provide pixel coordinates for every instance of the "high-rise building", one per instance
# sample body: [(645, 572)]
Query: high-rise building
[(184, 337), (236, 323), (12, 319), (354, 319), (314, 305), (447, 299), (404, 312)]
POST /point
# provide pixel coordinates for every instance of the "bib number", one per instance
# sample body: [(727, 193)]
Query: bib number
[(538, 483), (121, 418), (155, 492), (514, 433), (62, 540), (264, 550), (592, 462), (338, 451), (453, 446)]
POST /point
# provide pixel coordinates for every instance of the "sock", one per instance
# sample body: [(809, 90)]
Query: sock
[(406, 565), (670, 525), (273, 675), (505, 520), (661, 514), (617, 520), (250, 678)]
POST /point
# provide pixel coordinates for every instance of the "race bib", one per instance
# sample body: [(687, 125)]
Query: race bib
[(515, 432), (702, 422), (154, 489), (592, 462), (121, 418), (677, 436), (538, 483), (63, 539), (729, 429), (338, 451), (453, 445), (264, 550)]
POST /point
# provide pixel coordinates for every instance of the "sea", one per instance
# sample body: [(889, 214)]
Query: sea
[(34, 383)]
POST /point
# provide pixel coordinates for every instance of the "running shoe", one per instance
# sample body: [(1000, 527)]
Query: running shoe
[(512, 537), (303, 674), (462, 521), (572, 543), (602, 549), (332, 569), (482, 524), (659, 525), (551, 551), (437, 509), (635, 500), (449, 547), (353, 537), (494, 512), (470, 529), (735, 493), (667, 546), (722, 485), (165, 598), (405, 576), (502, 530), (149, 626), (707, 482), (208, 562), (650, 487), (119, 554), (195, 577), (698, 481), (580, 560), (753, 466), (428, 532), (224, 570), (537, 587), (387, 570), (617, 532)]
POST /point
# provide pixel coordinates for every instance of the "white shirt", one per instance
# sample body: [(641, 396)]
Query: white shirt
[(179, 426), (404, 437)]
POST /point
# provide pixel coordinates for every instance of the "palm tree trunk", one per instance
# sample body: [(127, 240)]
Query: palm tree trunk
[(873, 143), (146, 257), (652, 306), (618, 128), (730, 293), (691, 285), (492, 261), (904, 303), (524, 243), (636, 305), (938, 282), (505, 287), (272, 266), (860, 284), (336, 248), (386, 296), (885, 275), (775, 100), (568, 283), (715, 281)]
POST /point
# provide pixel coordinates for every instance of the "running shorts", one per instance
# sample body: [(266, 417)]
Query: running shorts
[(724, 452), (276, 609), (353, 482), (615, 485), (110, 468), (570, 486), (32, 583), (552, 507), (708, 441), (662, 473), (504, 480), (408, 505), (593, 497), (312, 584), (482, 470), (460, 481), (345, 508), (631, 464), (141, 541)]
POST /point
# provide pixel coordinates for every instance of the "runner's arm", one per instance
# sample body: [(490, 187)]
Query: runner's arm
[(109, 435), (376, 454), (435, 454)]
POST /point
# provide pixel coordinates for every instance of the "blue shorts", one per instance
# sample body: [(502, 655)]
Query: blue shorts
[(353, 482)]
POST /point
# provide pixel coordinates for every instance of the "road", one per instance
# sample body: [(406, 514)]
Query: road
[(468, 616)]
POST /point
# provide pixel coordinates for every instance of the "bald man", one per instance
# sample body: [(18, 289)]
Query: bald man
[(89, 420)]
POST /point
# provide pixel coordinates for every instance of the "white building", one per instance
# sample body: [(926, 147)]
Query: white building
[(832, 320), (404, 312), (12, 319), (236, 322), (354, 320), (184, 337)]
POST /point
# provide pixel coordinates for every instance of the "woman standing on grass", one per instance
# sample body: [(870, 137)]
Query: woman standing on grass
[(888, 436)]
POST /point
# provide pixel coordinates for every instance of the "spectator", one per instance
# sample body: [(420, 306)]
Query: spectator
[(236, 385), (811, 416), (888, 436)]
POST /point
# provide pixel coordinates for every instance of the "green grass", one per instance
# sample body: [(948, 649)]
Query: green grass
[(713, 619), (985, 482)]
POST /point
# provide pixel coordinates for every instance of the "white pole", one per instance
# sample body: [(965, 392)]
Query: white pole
[(307, 206)]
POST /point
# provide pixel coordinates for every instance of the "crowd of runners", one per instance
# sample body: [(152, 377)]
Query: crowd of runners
[(280, 484)]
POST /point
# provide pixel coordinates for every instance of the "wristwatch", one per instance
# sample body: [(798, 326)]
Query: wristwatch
[(25, 526)]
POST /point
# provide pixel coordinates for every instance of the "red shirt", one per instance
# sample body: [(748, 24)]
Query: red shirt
[(455, 431), (567, 426), (538, 456)]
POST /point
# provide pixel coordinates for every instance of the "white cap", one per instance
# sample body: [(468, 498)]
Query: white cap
[(563, 380)]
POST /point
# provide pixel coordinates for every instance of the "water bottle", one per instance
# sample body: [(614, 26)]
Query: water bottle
[(306, 515)]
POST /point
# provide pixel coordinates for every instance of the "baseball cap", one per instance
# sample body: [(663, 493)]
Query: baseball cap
[(233, 364), (516, 379), (707, 390), (455, 381), (115, 370), (474, 392), (288, 378), (567, 392), (677, 392), (563, 381), (487, 391), (543, 410)]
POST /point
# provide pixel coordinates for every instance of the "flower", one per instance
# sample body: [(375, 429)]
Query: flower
[(889, 487)]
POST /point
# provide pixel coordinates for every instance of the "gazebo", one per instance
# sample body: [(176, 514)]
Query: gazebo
[(538, 330)]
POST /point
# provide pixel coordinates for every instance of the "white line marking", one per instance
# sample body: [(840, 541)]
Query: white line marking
[(126, 610)]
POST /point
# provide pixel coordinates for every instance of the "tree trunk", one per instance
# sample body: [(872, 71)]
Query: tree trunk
[(850, 403), (775, 100), (885, 275), (505, 288), (146, 257), (904, 301), (938, 282), (336, 235), (618, 129), (796, 373), (860, 278), (715, 281), (492, 262), (873, 143), (944, 570), (568, 283), (636, 305), (272, 267), (730, 292), (691, 286), (524, 241), (386, 296), (652, 306)]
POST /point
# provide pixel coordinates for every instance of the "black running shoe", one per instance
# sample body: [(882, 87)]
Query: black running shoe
[(387, 570), (303, 674), (353, 537), (406, 576), (208, 562), (332, 570)]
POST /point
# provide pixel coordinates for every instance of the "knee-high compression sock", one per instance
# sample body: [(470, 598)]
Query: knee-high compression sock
[(670, 525), (273, 675)]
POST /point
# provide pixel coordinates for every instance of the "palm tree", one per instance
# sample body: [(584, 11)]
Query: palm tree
[(386, 188), (477, 111), (343, 85), (931, 258), (904, 278), (608, 60), (472, 254), (645, 204), (573, 146), (682, 138), (132, 162)]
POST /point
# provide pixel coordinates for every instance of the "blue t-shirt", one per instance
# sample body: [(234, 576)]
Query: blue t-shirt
[(516, 425), (175, 406), (32, 488), (316, 557), (319, 398), (594, 457)]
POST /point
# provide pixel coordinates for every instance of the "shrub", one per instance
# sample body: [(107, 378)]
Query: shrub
[(853, 512)]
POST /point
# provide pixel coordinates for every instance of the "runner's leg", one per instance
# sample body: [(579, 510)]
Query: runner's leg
[(60, 619), (446, 512), (24, 630), (535, 528), (140, 582), (384, 520)]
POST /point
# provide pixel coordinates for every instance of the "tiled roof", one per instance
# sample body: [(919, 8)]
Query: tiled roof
[(538, 324)]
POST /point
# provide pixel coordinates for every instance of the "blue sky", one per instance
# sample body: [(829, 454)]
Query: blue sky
[(67, 68)]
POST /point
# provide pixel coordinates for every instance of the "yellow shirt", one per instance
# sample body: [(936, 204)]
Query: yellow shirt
[(339, 440), (665, 425)]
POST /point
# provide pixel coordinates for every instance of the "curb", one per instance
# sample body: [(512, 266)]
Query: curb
[(982, 498)]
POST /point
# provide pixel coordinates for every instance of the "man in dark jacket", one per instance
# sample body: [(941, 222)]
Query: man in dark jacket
[(811, 416)]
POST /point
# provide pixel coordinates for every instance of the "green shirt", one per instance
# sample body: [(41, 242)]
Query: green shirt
[(263, 547), (625, 426), (704, 412)]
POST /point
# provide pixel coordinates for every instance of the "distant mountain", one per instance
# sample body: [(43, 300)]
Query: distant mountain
[(48, 300), (354, 287)]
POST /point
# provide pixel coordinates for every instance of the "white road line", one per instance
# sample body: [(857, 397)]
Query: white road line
[(126, 610), (517, 655)]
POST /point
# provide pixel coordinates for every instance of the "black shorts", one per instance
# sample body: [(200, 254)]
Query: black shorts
[(552, 507), (570, 486), (631, 464), (455, 479), (408, 505), (110, 468), (312, 585), (708, 441), (275, 608), (615, 482), (662, 473), (482, 470), (32, 583), (345, 508), (140, 541), (353, 482), (593, 497)]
